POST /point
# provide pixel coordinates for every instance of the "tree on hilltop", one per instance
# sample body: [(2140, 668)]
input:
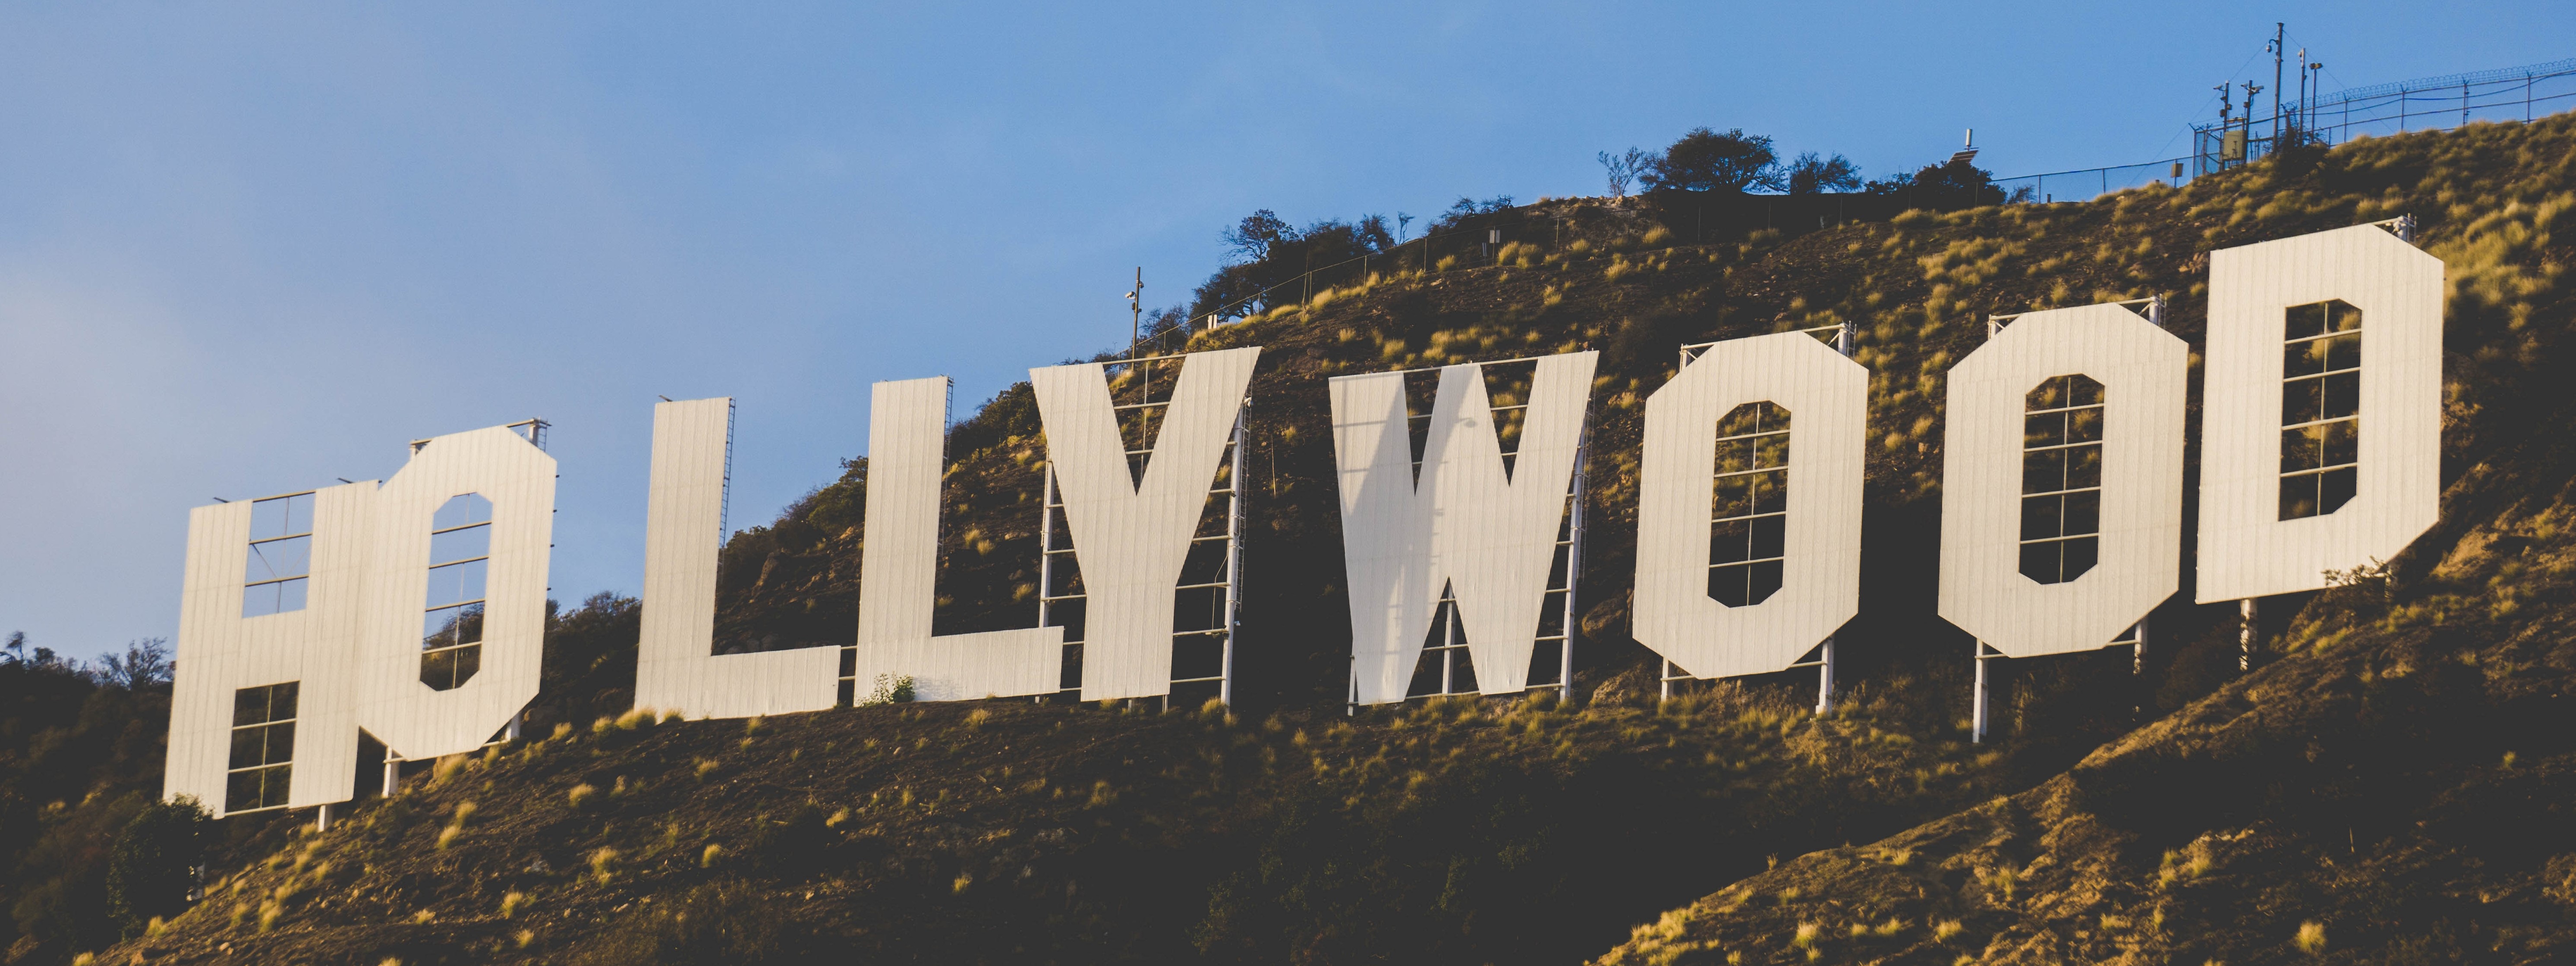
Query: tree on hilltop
[(1810, 174), (1705, 160), (1950, 185)]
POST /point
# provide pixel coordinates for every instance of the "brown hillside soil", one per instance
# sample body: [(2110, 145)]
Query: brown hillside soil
[(1009, 832)]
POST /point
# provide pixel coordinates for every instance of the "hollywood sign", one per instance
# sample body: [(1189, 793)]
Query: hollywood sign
[(413, 610)]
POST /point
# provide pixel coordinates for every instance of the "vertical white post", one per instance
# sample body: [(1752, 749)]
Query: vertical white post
[(322, 818), (393, 774), (1233, 557), (2156, 308), (1046, 539), (1665, 679), (1977, 712), (1449, 647), (1046, 563), (1825, 666), (1573, 573), (2249, 626), (510, 732), (1825, 678)]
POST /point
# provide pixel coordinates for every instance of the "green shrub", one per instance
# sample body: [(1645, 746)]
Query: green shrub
[(153, 865), (890, 689)]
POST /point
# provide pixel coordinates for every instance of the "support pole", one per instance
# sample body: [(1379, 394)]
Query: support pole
[(393, 774), (1825, 678), (2280, 40), (1046, 564), (1573, 573), (1233, 556), (1449, 646), (2138, 651), (1825, 652), (322, 818), (2250, 625), (510, 732), (1977, 706)]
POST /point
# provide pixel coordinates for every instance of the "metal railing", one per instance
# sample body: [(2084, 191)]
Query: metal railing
[(2424, 104), (2086, 184)]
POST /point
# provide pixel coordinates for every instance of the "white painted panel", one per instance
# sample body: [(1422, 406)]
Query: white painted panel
[(219, 651), (899, 567), (1463, 523), (2246, 550), (1133, 539), (676, 668), (410, 717), (2143, 371), (1827, 397)]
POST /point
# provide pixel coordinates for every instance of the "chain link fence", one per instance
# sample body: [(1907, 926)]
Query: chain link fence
[(2424, 104)]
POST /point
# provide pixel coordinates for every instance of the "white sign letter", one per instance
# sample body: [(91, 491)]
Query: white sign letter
[(2061, 507), (1132, 539), (456, 620), (1488, 536), (261, 713), (1748, 549), (2321, 416), (899, 567), (676, 668)]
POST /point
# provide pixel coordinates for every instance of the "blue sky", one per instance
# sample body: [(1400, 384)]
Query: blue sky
[(248, 248)]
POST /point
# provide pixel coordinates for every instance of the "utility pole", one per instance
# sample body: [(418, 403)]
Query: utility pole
[(2226, 106), (1136, 313), (2280, 34), (2302, 127)]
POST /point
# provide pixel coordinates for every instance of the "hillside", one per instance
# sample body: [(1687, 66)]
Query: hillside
[(1503, 831), (2396, 787)]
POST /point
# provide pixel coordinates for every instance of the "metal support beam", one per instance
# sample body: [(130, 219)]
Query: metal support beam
[(1573, 569), (1977, 709), (2249, 627), (1233, 553), (1046, 557), (1825, 677), (1825, 657)]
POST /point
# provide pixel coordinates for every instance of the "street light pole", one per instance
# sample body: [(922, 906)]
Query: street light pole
[(1136, 313)]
